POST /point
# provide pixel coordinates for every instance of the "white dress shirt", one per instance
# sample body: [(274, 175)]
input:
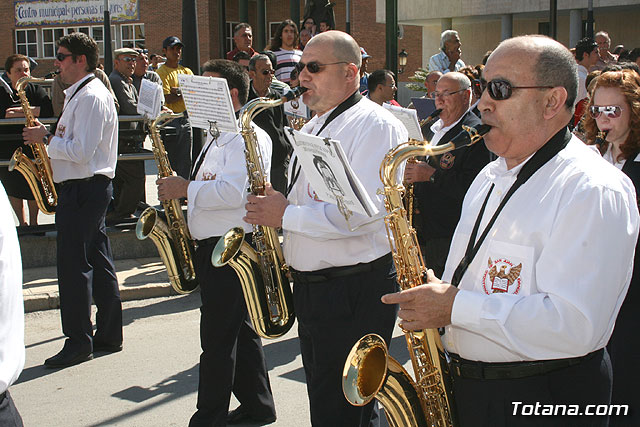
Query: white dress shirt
[(11, 304), (316, 235), (86, 139), (439, 129), (440, 62), (582, 87), (568, 235), (218, 195)]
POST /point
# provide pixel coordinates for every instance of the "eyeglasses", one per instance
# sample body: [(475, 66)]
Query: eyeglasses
[(265, 72), (611, 111), (62, 56), (128, 59), (502, 89), (446, 94), (313, 67)]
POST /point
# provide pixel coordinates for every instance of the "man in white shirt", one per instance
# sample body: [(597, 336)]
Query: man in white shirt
[(339, 275), (11, 313), (232, 359), (83, 152), (536, 300), (448, 59), (443, 180), (586, 57)]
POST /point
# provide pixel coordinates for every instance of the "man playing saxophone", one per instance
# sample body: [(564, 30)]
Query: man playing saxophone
[(339, 275), (83, 152), (541, 258), (232, 359)]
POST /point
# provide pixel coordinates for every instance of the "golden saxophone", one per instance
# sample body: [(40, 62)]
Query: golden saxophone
[(36, 172), (262, 271), (171, 237), (369, 371)]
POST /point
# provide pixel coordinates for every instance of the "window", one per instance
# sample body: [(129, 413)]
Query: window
[(132, 35), (27, 42), (229, 35), (49, 38), (97, 33)]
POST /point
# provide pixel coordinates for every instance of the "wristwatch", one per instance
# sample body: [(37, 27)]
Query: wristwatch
[(46, 138)]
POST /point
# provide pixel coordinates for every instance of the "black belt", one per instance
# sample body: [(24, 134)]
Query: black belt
[(98, 177), (330, 273), (510, 370)]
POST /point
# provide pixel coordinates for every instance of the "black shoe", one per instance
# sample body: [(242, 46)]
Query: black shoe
[(67, 358), (103, 346), (239, 415)]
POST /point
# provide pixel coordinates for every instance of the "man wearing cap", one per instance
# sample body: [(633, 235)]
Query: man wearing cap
[(242, 38), (364, 76), (179, 145), (128, 184)]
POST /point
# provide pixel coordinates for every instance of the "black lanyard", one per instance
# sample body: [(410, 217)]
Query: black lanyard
[(203, 154), (542, 156), (344, 106), (83, 84)]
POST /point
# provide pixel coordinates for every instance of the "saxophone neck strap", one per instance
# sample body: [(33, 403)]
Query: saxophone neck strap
[(341, 108), (83, 84), (558, 142)]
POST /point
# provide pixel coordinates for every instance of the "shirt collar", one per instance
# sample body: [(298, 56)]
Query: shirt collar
[(72, 88), (438, 126)]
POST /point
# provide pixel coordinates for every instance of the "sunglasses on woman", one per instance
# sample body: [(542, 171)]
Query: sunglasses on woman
[(312, 66), (502, 89), (611, 111)]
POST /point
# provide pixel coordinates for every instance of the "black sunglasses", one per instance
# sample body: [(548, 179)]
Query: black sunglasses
[(502, 89), (265, 72), (62, 56), (313, 67)]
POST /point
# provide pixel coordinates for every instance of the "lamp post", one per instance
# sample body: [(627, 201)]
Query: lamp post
[(402, 61)]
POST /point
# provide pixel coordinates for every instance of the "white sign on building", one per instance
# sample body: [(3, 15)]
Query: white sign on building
[(38, 12)]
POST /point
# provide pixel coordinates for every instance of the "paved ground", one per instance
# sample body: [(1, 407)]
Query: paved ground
[(153, 381)]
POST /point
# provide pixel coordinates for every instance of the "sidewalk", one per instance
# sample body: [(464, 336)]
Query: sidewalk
[(138, 278)]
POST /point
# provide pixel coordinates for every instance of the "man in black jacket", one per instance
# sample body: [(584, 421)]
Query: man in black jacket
[(442, 181), (271, 120)]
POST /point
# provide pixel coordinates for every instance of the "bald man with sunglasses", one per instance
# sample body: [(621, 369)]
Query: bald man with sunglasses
[(339, 275), (541, 258)]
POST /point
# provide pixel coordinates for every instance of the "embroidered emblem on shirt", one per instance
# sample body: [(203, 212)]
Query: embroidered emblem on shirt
[(446, 161), (502, 277), (208, 176), (60, 130)]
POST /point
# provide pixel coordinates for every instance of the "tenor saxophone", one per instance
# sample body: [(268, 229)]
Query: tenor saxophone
[(369, 371), (36, 172), (262, 271), (171, 237)]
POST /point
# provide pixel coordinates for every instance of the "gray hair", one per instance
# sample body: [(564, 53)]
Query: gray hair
[(446, 36), (603, 34), (256, 58), (555, 65), (241, 26)]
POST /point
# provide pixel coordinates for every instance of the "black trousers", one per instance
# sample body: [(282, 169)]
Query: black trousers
[(232, 359), (332, 317), (490, 402), (128, 187), (85, 265), (9, 415), (178, 145)]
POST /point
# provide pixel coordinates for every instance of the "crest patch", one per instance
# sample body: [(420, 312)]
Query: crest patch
[(446, 161), (502, 277)]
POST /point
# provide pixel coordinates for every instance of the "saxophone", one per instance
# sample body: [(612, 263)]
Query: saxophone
[(262, 271), (369, 371), (171, 237), (36, 172)]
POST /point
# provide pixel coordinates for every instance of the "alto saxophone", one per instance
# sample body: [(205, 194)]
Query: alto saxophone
[(369, 371), (171, 237), (36, 172), (262, 271)]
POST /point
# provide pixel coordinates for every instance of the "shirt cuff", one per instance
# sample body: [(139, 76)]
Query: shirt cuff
[(291, 218), (466, 309)]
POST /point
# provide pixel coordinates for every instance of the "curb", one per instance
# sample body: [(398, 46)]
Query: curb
[(51, 300)]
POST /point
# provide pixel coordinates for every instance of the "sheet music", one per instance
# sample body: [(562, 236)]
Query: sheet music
[(208, 101), (409, 119), (149, 99), (297, 108), (326, 167)]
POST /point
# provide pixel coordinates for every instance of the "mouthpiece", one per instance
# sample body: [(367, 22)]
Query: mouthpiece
[(52, 74), (601, 138), (293, 93), (470, 135)]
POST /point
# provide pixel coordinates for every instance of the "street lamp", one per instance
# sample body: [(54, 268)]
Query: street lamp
[(402, 61)]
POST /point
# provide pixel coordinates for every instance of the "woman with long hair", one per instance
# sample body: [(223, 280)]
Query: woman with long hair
[(284, 45), (613, 123)]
